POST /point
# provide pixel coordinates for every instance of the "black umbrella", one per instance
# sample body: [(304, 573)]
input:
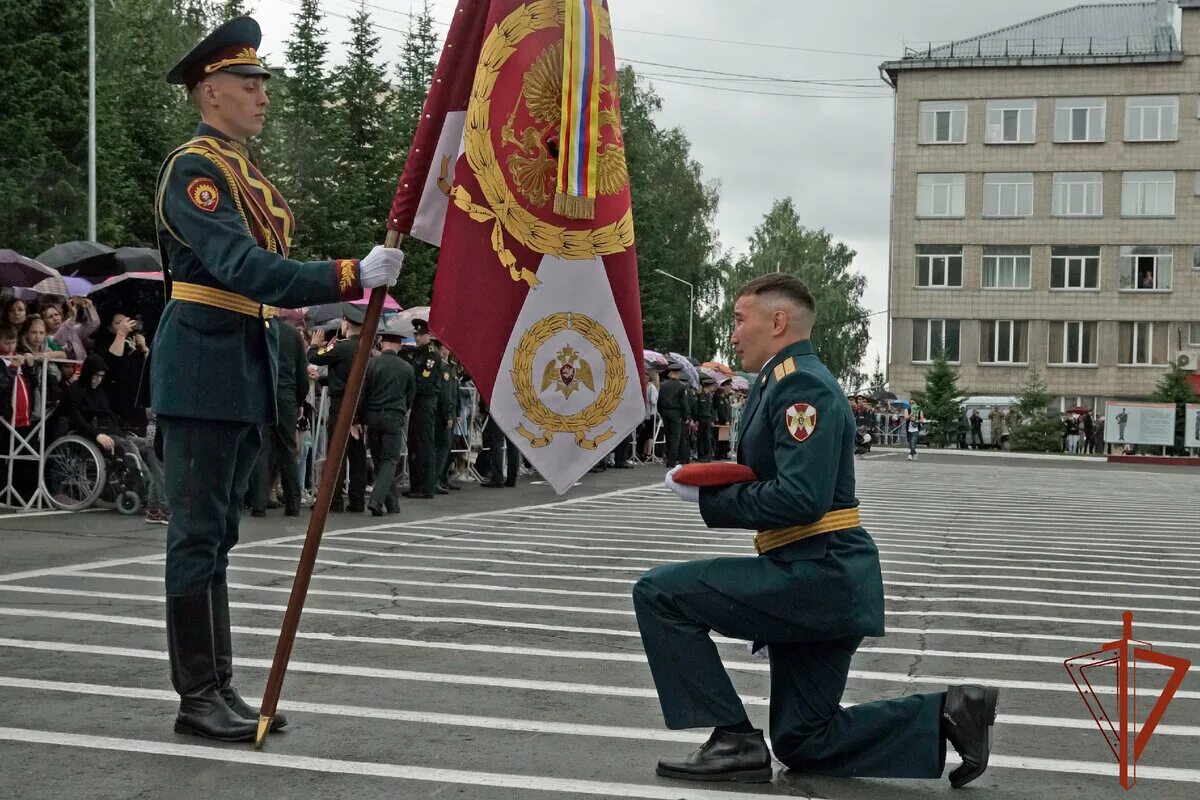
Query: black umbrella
[(66, 257), (135, 294), (137, 259), (882, 395)]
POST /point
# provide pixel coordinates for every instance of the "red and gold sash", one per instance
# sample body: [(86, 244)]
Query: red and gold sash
[(262, 207)]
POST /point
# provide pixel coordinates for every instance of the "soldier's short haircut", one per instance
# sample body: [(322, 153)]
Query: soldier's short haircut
[(779, 284)]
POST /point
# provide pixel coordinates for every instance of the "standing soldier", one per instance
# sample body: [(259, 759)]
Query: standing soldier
[(422, 462), (224, 233), (338, 356), (387, 396), (810, 597), (446, 411), (723, 415), (704, 419), (672, 407), (279, 450)]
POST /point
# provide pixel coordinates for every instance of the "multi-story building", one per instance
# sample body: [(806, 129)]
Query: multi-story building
[(1046, 204)]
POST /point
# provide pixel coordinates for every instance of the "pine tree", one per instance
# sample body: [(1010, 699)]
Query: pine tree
[(234, 8), (1032, 430), (367, 168), (878, 381), (941, 401), (43, 124), (1173, 387), (298, 136)]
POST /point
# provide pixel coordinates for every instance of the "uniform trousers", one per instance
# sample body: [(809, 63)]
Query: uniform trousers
[(385, 436), (422, 470), (278, 457), (356, 460), (678, 605), (207, 465), (677, 447)]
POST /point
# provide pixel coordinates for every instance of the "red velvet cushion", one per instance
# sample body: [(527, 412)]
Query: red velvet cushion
[(720, 473)]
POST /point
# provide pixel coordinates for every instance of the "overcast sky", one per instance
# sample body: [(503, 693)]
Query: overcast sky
[(832, 154)]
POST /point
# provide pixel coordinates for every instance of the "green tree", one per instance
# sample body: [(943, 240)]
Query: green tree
[(234, 8), (878, 381), (366, 167), (298, 135), (941, 400), (1032, 428), (1173, 387), (782, 244), (43, 124)]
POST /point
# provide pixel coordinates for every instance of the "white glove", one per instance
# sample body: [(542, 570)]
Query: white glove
[(688, 494), (381, 267)]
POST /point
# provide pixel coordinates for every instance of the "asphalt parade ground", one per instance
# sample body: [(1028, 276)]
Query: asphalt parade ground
[(483, 645)]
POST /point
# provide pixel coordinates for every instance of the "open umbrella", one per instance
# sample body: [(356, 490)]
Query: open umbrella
[(137, 259), (315, 315), (64, 257), (653, 358), (883, 395), (689, 369), (739, 384), (717, 366), (389, 302), (135, 294), (716, 376), (403, 321), (18, 270)]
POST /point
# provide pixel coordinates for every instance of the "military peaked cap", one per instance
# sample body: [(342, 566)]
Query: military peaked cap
[(233, 47)]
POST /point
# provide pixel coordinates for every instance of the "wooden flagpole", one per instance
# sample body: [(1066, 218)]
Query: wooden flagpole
[(320, 511)]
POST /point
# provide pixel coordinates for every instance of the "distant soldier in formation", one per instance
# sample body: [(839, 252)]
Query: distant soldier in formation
[(422, 442)]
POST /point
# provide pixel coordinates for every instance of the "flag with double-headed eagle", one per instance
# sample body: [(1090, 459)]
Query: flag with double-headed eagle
[(517, 171)]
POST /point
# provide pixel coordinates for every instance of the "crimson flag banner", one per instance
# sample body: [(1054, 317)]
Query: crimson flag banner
[(517, 171)]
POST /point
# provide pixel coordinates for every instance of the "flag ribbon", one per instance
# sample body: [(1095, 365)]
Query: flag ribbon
[(580, 131)]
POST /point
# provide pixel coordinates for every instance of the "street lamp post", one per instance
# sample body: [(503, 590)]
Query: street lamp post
[(691, 304), (91, 122)]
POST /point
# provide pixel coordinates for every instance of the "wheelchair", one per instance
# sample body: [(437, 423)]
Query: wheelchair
[(78, 474)]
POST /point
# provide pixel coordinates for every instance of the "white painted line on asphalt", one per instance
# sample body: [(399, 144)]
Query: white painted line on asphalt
[(330, 766), (592, 551), (565, 687), (470, 559), (476, 573), (989, 580), (506, 724), (951, 555)]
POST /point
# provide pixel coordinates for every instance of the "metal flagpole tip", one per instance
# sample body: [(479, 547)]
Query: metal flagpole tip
[(264, 725)]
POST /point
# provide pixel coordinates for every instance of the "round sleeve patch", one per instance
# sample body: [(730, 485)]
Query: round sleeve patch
[(801, 419), (204, 194)]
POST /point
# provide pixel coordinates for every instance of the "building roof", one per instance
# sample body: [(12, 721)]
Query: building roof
[(1091, 33)]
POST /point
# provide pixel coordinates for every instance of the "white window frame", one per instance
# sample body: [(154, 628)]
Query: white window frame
[(1148, 194), (1152, 118), (1138, 331), (931, 255), (1194, 334), (1094, 119), (1024, 112), (1078, 194), (1196, 257), (993, 356), (946, 190), (927, 111), (1063, 356), (1010, 194), (1131, 263), (1080, 262), (928, 326), (997, 264)]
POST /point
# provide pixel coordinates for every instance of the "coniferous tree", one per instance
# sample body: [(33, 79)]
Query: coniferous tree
[(941, 400), (1173, 387), (1032, 428), (878, 381)]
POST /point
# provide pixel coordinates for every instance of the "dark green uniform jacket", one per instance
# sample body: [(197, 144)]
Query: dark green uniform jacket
[(293, 366), (427, 361), (797, 434), (671, 398), (704, 407), (209, 362), (390, 386), (338, 359)]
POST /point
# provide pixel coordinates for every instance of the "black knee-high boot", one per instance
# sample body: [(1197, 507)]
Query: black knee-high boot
[(223, 658)]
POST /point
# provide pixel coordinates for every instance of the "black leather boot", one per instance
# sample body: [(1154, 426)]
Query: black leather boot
[(967, 718), (223, 659), (725, 756), (202, 710)]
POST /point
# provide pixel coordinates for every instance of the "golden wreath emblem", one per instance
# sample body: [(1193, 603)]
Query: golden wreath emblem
[(598, 412), (500, 207)]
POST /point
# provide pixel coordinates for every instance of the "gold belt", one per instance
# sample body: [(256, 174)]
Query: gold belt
[(219, 298), (765, 541)]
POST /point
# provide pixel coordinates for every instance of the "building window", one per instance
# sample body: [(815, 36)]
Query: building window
[(1146, 269), (1079, 119), (1008, 194), (939, 266), (1148, 194), (1073, 343), (1078, 194), (1006, 267), (1074, 267), (943, 122), (1194, 334), (933, 336), (941, 195), (1141, 343), (1196, 258), (1003, 341), (1152, 119), (1011, 121)]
